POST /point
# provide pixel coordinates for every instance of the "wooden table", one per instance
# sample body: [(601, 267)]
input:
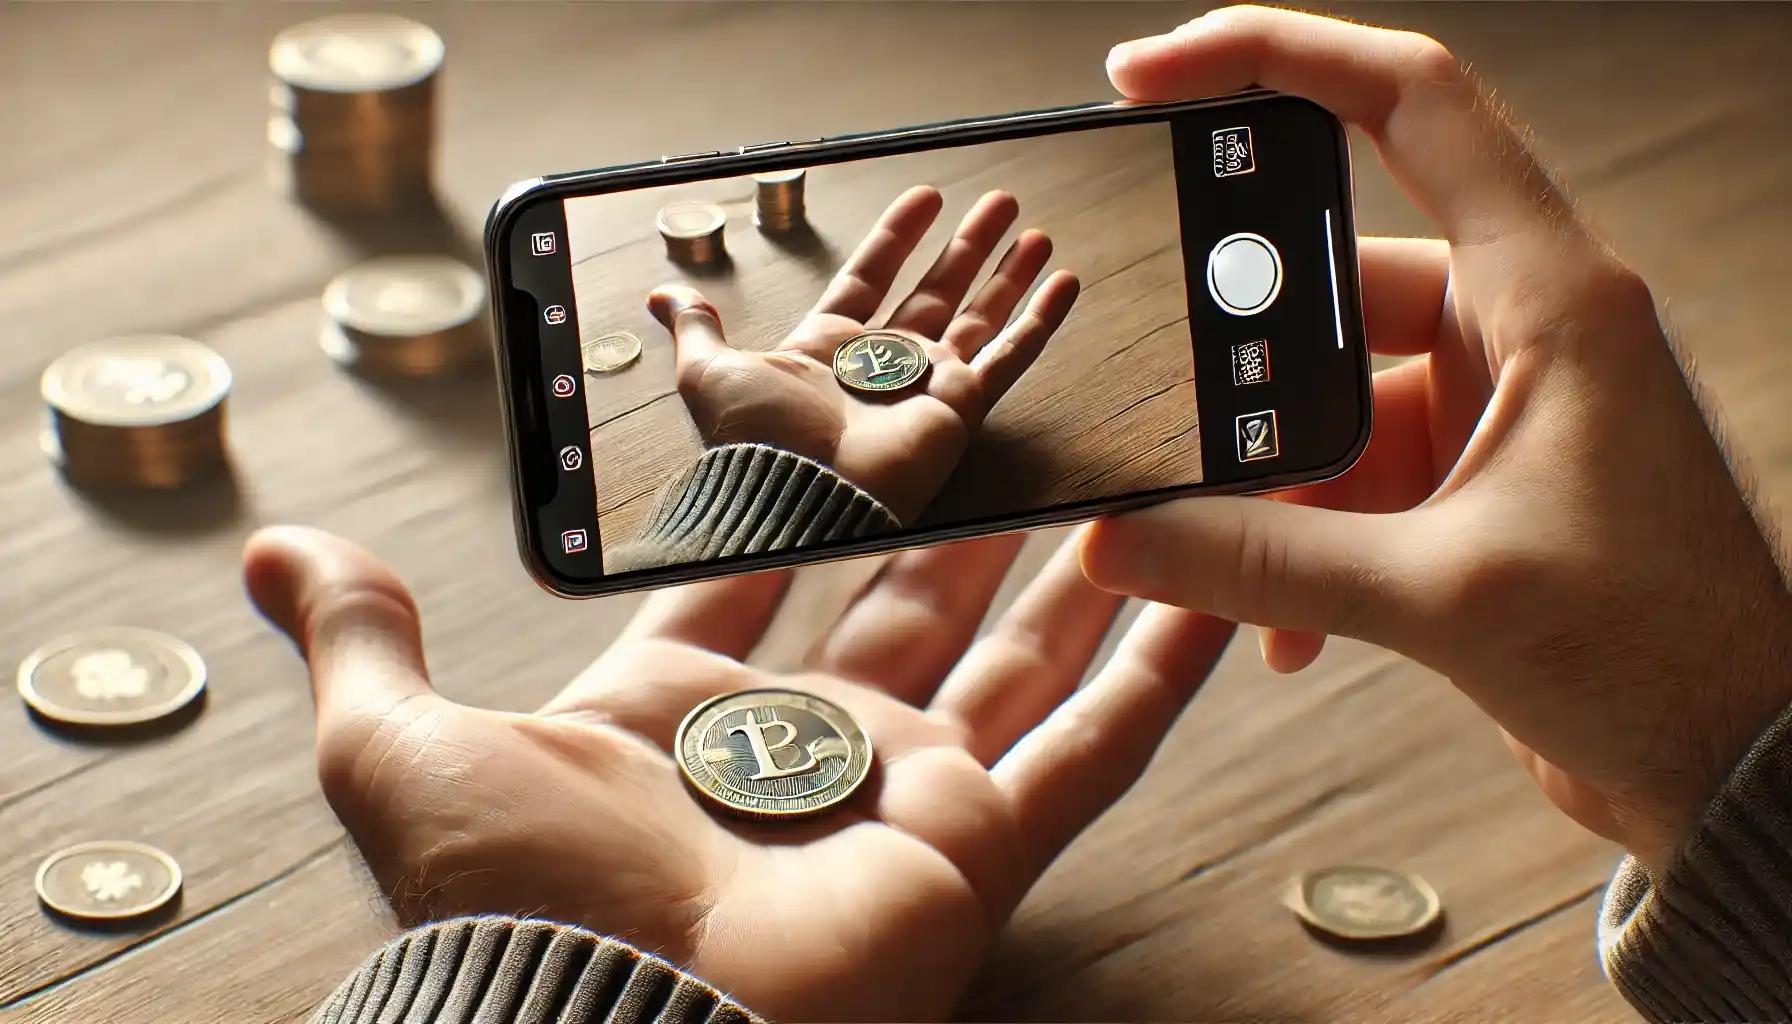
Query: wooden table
[(133, 199)]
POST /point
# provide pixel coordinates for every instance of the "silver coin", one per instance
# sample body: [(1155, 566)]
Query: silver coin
[(405, 296), (356, 53), (111, 677), (137, 381), (611, 352), (1365, 903), (108, 881)]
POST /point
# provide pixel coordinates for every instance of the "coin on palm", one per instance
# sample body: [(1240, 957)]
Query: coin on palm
[(772, 753)]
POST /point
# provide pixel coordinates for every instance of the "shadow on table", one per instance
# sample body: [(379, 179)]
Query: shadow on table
[(807, 246), (214, 503), (460, 407), (121, 735), (426, 227)]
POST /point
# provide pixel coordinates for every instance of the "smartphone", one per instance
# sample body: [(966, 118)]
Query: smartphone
[(861, 344)]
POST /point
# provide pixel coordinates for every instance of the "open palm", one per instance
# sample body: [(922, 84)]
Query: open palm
[(990, 760), (900, 447)]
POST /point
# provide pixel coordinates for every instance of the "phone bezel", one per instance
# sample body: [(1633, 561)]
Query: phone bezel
[(767, 157)]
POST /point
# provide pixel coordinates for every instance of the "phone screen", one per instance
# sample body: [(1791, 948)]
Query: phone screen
[(941, 341)]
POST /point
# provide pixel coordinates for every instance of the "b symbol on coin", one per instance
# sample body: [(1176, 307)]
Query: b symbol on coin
[(880, 361), (772, 753)]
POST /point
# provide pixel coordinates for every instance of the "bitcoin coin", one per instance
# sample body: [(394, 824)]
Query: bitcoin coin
[(353, 126), (108, 881), (144, 411), (611, 352), (111, 677), (1364, 903), (404, 315), (772, 753), (880, 361), (778, 200), (693, 232)]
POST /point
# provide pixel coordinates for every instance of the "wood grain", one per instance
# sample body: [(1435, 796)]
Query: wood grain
[(1107, 409), (133, 198)]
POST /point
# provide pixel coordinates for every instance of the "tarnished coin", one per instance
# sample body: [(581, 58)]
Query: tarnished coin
[(1364, 903), (880, 361), (117, 676), (139, 381), (773, 753), (356, 53), (611, 352), (692, 231), (108, 881)]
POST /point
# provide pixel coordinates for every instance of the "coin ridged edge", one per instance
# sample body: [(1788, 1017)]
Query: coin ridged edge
[(53, 384), (758, 813), (1297, 900), (176, 879), (180, 649)]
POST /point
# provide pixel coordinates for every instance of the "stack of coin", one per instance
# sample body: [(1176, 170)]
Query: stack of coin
[(409, 316), (779, 200), (142, 411), (354, 122), (693, 232)]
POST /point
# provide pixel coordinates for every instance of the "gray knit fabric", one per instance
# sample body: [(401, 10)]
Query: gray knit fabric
[(498, 970), (1712, 941), (744, 499)]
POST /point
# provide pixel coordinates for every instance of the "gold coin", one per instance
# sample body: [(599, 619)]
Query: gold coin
[(611, 352), (405, 296), (356, 53), (111, 677), (772, 753), (139, 381), (1364, 903), (880, 361), (108, 881)]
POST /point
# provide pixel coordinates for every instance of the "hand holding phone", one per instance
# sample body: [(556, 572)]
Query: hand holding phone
[(897, 447)]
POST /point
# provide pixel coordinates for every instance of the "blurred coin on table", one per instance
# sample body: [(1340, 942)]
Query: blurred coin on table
[(693, 232), (408, 316), (778, 201), (141, 411), (609, 353), (1359, 903), (353, 128), (108, 881), (114, 676)]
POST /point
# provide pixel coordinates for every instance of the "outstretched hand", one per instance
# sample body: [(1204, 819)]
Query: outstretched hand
[(900, 448), (990, 762)]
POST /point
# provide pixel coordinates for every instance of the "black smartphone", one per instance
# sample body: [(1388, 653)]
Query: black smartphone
[(894, 339)]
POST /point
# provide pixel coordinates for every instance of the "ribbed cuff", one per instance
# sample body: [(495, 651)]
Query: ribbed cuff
[(744, 499), (520, 972), (1713, 940)]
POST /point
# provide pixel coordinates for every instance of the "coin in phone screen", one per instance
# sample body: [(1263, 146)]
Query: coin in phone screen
[(108, 881), (1364, 903), (772, 753), (880, 361), (118, 676), (611, 352)]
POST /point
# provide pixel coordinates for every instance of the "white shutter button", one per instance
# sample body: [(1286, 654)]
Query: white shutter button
[(1244, 273)]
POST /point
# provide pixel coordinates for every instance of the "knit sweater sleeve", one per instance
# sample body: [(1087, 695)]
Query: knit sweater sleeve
[(500, 970), (747, 499), (1711, 940)]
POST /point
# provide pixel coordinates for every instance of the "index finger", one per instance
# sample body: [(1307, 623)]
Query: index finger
[(1449, 145)]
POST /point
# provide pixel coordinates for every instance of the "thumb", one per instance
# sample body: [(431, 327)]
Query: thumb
[(353, 621), (695, 325), (1266, 563)]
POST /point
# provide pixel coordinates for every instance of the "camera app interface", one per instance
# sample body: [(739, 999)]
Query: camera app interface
[(849, 350)]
